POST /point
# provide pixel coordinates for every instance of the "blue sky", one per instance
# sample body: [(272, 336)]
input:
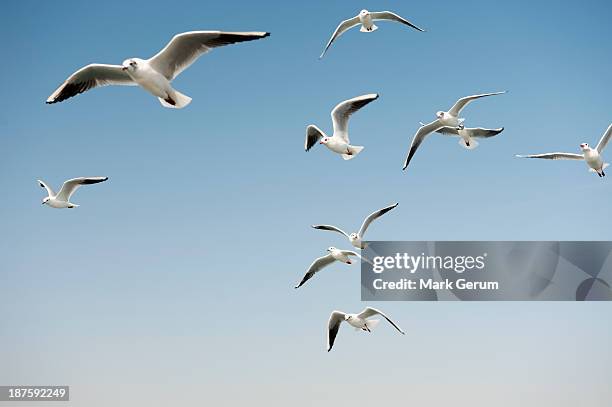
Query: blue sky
[(172, 283)]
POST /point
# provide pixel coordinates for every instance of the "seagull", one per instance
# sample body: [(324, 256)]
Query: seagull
[(358, 321), (154, 74), (321, 262), (468, 134), (366, 19), (62, 198), (339, 142), (444, 119), (592, 156), (356, 239)]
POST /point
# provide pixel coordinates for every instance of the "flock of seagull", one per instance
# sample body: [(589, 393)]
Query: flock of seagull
[(155, 75)]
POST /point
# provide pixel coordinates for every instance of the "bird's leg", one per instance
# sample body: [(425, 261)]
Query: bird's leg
[(366, 328)]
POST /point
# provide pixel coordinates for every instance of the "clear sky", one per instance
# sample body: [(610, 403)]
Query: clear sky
[(172, 283)]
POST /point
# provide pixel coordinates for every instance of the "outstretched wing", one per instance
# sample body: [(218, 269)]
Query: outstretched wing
[(341, 29), (335, 319), (388, 15), (316, 266), (330, 228), (370, 312), (183, 49), (313, 135), (343, 111), (350, 253), (89, 77), (554, 156), (72, 185), (479, 132), (418, 138), (604, 139), (463, 102), (47, 187), (373, 216)]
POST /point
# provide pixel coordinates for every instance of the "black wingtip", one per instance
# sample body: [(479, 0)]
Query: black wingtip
[(266, 35)]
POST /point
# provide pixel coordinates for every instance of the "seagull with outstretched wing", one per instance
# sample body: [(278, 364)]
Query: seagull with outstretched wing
[(154, 74), (592, 156), (333, 255), (62, 198), (366, 19), (358, 321)]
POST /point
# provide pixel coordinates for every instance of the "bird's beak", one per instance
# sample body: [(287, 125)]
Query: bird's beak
[(43, 203), (124, 68)]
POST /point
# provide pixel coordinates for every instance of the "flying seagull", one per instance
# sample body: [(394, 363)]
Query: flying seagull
[(592, 156), (154, 74), (339, 141), (356, 239), (366, 19), (443, 119), (333, 255), (468, 134), (358, 321), (62, 198)]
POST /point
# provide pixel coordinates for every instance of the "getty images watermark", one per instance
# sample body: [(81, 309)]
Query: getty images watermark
[(486, 271)]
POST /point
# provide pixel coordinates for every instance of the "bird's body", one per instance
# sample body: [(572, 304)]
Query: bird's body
[(339, 142), (591, 156), (366, 19), (332, 256), (61, 200), (445, 119), (156, 73), (356, 238), (359, 321)]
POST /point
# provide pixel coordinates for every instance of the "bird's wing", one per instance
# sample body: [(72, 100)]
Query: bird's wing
[(373, 216), (388, 15), (463, 102), (335, 319), (47, 187), (418, 138), (448, 131), (313, 135), (330, 228), (316, 266), (479, 132), (344, 110), (370, 312), (350, 253), (604, 139), (72, 185), (554, 156), (89, 77), (183, 49), (341, 29)]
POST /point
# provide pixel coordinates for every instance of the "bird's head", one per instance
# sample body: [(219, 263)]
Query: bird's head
[(353, 236), (331, 249), (130, 65), (324, 140), (440, 114), (584, 146), (347, 317), (364, 12), (45, 200)]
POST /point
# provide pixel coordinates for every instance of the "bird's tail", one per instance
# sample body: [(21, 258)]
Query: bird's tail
[(365, 30), (354, 150), (473, 144), (175, 101)]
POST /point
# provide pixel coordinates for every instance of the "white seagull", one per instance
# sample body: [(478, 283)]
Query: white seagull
[(366, 19), (443, 119), (339, 141), (468, 134), (358, 321), (333, 255), (356, 239), (62, 198), (154, 74), (592, 156)]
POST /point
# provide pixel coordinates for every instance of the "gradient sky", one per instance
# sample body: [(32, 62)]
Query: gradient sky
[(172, 284)]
